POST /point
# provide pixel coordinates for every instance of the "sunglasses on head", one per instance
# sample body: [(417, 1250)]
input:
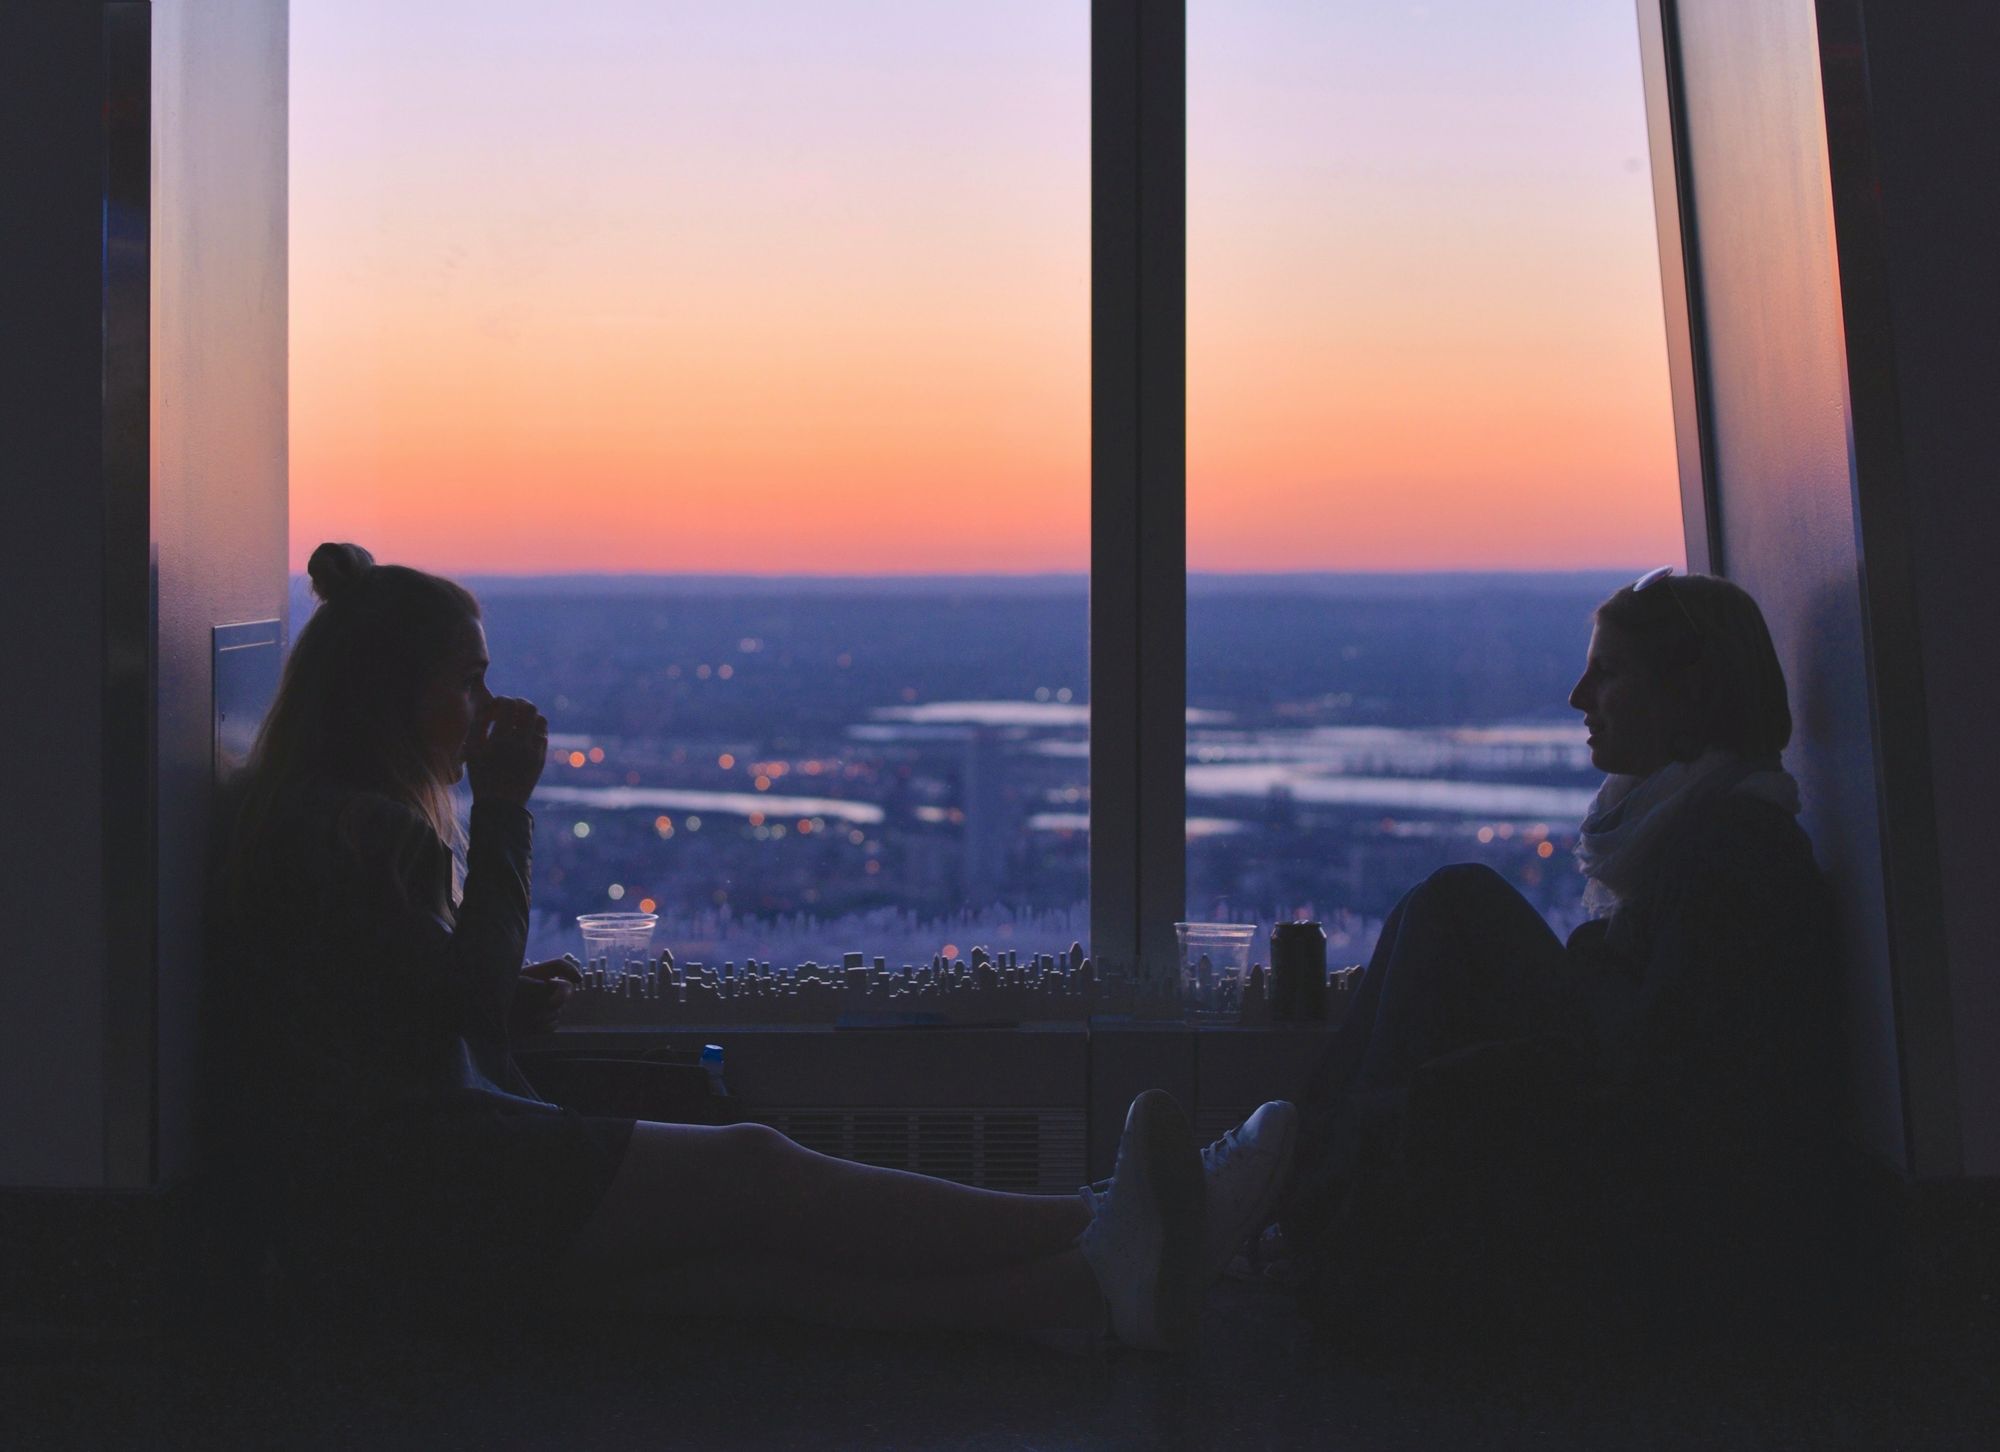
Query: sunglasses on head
[(1661, 580)]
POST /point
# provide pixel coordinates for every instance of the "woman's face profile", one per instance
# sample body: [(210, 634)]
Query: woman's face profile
[(1627, 708), (453, 700)]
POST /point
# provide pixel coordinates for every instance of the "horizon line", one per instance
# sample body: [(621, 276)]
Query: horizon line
[(1025, 576)]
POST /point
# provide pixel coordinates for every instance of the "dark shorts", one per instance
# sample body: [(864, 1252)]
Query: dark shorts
[(473, 1197)]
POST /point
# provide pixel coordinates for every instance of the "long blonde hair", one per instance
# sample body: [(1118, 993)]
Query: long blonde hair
[(346, 710)]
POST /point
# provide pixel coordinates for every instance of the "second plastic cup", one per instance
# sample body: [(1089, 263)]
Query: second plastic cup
[(1215, 965)]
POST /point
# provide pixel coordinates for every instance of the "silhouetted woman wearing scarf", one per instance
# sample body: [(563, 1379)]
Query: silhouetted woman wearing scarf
[(1624, 1129)]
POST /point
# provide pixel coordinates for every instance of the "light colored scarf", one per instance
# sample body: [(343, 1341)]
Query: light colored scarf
[(1632, 816)]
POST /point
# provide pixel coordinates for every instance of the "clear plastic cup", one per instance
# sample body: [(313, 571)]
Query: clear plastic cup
[(1215, 967), (621, 941)]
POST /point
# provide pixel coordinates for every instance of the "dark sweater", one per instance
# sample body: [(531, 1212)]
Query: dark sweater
[(383, 994), (404, 1146), (1720, 982)]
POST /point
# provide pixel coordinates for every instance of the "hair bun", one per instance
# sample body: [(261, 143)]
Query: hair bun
[(335, 567)]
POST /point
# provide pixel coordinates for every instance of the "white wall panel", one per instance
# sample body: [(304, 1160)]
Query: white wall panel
[(219, 498)]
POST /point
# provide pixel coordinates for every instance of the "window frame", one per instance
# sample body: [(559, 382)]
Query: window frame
[(1138, 486), (1138, 548), (1680, 280), (1138, 414)]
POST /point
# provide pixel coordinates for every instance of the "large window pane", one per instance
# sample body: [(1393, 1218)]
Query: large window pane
[(1429, 428), (738, 353)]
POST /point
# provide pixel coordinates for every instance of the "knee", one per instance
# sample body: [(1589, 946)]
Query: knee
[(750, 1145), (1465, 893), (1465, 882)]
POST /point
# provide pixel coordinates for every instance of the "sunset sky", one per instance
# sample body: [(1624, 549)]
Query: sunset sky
[(674, 285)]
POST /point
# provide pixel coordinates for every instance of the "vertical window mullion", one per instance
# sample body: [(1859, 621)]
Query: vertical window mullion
[(1680, 281), (1138, 591)]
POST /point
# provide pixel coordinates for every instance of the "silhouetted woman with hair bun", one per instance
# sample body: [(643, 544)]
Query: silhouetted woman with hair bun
[(334, 569), (379, 945), (378, 951), (1626, 1129)]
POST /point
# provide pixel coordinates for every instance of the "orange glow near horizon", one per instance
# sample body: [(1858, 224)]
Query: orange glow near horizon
[(685, 288), (1424, 325)]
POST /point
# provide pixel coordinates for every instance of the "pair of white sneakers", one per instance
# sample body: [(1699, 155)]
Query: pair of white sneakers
[(1166, 1224)]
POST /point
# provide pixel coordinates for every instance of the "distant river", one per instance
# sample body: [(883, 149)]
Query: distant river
[(741, 804), (1407, 794), (1399, 793)]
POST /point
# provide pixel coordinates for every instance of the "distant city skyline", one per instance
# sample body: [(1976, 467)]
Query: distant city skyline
[(782, 288), (788, 772)]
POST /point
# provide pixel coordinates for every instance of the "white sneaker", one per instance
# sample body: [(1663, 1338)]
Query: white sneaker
[(1243, 1173), (1145, 1242)]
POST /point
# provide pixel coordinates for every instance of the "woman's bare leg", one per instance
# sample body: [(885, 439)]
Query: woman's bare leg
[(745, 1193)]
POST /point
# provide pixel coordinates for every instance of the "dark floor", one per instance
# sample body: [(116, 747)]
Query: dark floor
[(1256, 1381)]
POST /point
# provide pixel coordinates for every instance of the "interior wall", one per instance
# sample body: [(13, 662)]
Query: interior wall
[(1780, 425), (51, 593), (1922, 77), (219, 443)]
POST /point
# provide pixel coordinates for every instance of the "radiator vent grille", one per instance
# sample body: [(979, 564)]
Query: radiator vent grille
[(1027, 1150)]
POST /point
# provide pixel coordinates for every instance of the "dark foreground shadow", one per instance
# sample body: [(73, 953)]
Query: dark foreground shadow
[(1257, 1380)]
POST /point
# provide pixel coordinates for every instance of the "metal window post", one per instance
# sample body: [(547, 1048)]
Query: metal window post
[(1138, 555), (1680, 281)]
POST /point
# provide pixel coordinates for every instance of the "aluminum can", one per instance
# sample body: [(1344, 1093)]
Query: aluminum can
[(1298, 972)]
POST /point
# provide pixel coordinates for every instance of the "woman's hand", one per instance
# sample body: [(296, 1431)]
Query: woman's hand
[(540, 993), (506, 751)]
